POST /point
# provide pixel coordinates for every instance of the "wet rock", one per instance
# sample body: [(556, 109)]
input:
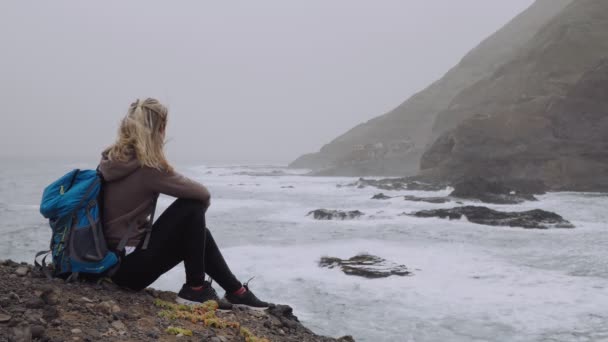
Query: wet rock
[(427, 199), (288, 187), (381, 196), (513, 192), (533, 219), (365, 265), (325, 214), (393, 184), (22, 271)]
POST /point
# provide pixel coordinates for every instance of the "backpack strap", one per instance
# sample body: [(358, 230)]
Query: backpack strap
[(42, 267), (149, 226), (123, 242)]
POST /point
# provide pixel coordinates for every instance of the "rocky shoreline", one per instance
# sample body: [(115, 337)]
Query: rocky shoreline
[(33, 308)]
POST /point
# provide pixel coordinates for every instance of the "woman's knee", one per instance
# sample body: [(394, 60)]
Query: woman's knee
[(190, 204)]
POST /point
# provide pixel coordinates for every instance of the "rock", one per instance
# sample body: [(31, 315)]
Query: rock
[(50, 313), (215, 339), (393, 184), (118, 325), (86, 300), (365, 265), (497, 192), (288, 187), (4, 318), (20, 334), (37, 331), (34, 303), (346, 338), (22, 271), (325, 214), (282, 311), (76, 331), (381, 196), (50, 297), (115, 308), (427, 199), (538, 219)]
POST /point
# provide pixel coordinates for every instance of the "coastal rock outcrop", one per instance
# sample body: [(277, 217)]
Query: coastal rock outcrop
[(532, 219), (365, 265), (513, 192), (326, 214)]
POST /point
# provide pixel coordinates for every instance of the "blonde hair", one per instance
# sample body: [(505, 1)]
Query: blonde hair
[(140, 133)]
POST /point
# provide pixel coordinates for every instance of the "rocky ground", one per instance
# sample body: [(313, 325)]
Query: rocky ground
[(33, 308)]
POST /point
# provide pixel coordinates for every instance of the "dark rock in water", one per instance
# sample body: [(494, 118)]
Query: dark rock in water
[(288, 187), (272, 173), (391, 184), (533, 219), (381, 196), (365, 265), (512, 192), (427, 199), (325, 214)]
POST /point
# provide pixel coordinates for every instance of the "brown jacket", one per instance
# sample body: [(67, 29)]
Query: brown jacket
[(129, 192)]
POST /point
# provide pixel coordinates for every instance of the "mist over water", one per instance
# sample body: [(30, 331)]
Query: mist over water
[(470, 282)]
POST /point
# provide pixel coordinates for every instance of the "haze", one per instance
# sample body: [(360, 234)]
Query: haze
[(257, 81)]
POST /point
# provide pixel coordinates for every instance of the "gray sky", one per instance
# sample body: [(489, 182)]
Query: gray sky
[(248, 81)]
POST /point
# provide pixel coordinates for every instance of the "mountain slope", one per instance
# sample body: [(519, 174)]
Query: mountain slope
[(543, 115), (393, 143)]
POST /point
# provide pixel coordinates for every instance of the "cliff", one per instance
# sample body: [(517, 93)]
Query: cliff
[(392, 144), (543, 115)]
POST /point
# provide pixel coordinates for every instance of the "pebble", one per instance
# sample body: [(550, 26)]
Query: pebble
[(281, 331), (37, 331), (22, 271), (215, 339), (118, 325), (76, 331), (50, 297), (86, 300), (4, 318), (115, 308)]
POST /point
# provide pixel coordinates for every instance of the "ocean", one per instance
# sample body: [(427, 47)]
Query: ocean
[(470, 282)]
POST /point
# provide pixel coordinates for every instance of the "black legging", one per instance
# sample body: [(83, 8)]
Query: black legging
[(178, 235)]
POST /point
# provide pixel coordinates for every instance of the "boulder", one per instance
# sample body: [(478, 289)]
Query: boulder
[(533, 219), (365, 265), (325, 214)]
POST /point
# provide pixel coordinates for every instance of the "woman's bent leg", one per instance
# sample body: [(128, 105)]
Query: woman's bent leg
[(177, 236), (216, 266)]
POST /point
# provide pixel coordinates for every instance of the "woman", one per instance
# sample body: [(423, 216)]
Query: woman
[(136, 171)]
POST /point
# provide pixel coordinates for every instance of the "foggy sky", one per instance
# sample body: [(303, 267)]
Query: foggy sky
[(245, 81)]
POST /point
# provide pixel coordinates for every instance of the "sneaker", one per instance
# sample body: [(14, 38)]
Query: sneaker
[(188, 296), (247, 299)]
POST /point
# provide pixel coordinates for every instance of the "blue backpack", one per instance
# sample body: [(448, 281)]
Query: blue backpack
[(72, 205)]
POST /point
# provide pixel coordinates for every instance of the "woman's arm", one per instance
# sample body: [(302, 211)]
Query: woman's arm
[(176, 185)]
